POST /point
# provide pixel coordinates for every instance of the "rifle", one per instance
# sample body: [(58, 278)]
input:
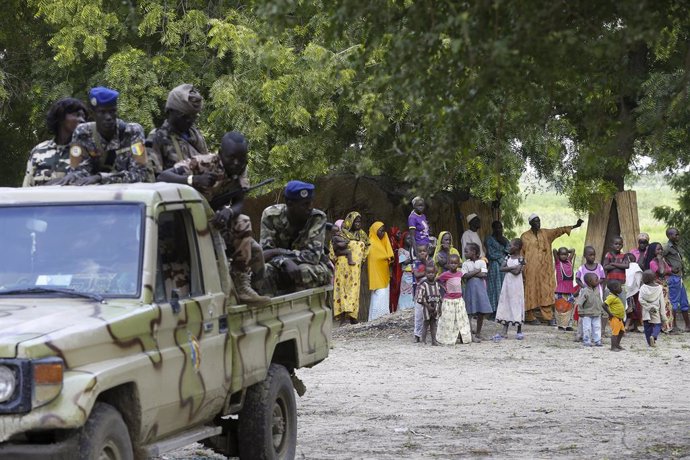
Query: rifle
[(217, 202)]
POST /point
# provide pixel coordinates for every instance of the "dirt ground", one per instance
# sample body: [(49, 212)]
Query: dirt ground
[(381, 396)]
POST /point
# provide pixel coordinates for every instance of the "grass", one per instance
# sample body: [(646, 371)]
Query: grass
[(554, 211)]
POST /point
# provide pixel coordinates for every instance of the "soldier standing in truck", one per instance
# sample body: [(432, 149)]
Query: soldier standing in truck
[(177, 139), (109, 150), (292, 238), (215, 174)]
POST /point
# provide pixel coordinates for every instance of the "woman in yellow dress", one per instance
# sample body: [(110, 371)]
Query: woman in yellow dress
[(346, 283)]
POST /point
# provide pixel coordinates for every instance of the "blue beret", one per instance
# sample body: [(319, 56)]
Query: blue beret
[(298, 190), (100, 96)]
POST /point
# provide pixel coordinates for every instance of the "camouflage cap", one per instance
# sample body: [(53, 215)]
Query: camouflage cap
[(185, 98)]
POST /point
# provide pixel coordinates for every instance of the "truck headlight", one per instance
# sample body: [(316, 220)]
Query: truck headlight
[(8, 383), (48, 374)]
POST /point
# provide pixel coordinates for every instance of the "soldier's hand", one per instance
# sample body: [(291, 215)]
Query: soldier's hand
[(89, 180), (223, 217), (67, 179), (204, 181), (292, 269)]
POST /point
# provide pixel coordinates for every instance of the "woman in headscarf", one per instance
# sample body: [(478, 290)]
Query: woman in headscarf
[(407, 259), (347, 281), (496, 251), (444, 248), (396, 238), (379, 259)]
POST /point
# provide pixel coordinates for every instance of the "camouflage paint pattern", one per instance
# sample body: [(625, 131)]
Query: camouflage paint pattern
[(184, 367)]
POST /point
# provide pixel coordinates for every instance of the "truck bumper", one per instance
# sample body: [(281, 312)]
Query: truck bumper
[(66, 449)]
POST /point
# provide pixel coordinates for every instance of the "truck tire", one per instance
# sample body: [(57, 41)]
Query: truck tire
[(105, 435), (268, 419)]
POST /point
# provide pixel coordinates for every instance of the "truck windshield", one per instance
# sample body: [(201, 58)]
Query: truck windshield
[(85, 248)]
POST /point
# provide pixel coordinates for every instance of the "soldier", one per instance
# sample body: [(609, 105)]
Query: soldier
[(49, 160), (292, 238), (109, 150), (212, 175), (177, 139)]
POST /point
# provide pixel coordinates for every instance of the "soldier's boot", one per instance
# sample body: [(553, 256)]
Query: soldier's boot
[(245, 293)]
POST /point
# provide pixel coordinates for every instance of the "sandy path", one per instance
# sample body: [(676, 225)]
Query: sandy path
[(380, 396)]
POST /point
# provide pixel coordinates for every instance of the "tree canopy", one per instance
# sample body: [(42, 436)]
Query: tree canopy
[(442, 94)]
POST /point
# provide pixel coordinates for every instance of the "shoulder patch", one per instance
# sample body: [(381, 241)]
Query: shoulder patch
[(138, 149), (75, 151)]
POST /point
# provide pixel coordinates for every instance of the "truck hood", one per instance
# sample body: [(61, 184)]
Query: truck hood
[(27, 319)]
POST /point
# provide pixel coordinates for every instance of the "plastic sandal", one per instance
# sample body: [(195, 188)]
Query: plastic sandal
[(497, 338), (519, 336)]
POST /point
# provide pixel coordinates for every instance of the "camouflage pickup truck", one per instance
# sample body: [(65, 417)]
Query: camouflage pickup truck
[(121, 335)]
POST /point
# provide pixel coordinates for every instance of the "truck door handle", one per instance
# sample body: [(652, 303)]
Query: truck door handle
[(175, 301)]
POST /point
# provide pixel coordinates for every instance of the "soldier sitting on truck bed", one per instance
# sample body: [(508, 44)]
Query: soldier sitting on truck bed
[(212, 175), (292, 238), (177, 138), (109, 150)]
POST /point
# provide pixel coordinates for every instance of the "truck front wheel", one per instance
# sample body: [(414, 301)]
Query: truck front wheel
[(105, 435), (268, 419)]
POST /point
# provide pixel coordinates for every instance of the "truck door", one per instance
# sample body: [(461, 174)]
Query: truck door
[(191, 387)]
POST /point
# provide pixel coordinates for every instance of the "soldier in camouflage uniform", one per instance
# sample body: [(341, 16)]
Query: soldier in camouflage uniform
[(49, 160), (109, 150), (292, 238), (212, 175), (177, 139)]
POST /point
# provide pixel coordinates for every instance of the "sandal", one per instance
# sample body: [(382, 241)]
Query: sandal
[(519, 336), (497, 338)]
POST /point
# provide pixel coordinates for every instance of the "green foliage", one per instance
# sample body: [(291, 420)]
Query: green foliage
[(457, 95)]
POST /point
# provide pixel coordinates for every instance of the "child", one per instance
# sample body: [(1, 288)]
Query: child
[(589, 305), (453, 322), (633, 280), (657, 263), (511, 303), (341, 245), (616, 311), (408, 262), (616, 263), (653, 306), (590, 266), (429, 297), (476, 297), (565, 288), (419, 272)]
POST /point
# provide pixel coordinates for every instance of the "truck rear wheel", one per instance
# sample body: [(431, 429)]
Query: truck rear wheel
[(105, 435), (268, 419)]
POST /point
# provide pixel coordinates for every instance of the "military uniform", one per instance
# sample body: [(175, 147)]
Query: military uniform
[(122, 160), (169, 148), (47, 161), (306, 246), (242, 249)]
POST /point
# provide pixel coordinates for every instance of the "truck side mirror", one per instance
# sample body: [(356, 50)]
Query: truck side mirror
[(175, 301)]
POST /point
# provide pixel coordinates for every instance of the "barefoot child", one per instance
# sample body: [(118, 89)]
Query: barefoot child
[(453, 321), (616, 311), (474, 272), (565, 288), (429, 297), (615, 265), (589, 306), (633, 281), (590, 266), (511, 303), (653, 306), (419, 273)]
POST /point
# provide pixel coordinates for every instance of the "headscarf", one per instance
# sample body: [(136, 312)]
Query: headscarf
[(338, 224), (396, 243), (380, 253), (643, 236), (346, 229), (452, 250), (186, 99)]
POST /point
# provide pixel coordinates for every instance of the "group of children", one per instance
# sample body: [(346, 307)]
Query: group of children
[(593, 296), (611, 293)]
